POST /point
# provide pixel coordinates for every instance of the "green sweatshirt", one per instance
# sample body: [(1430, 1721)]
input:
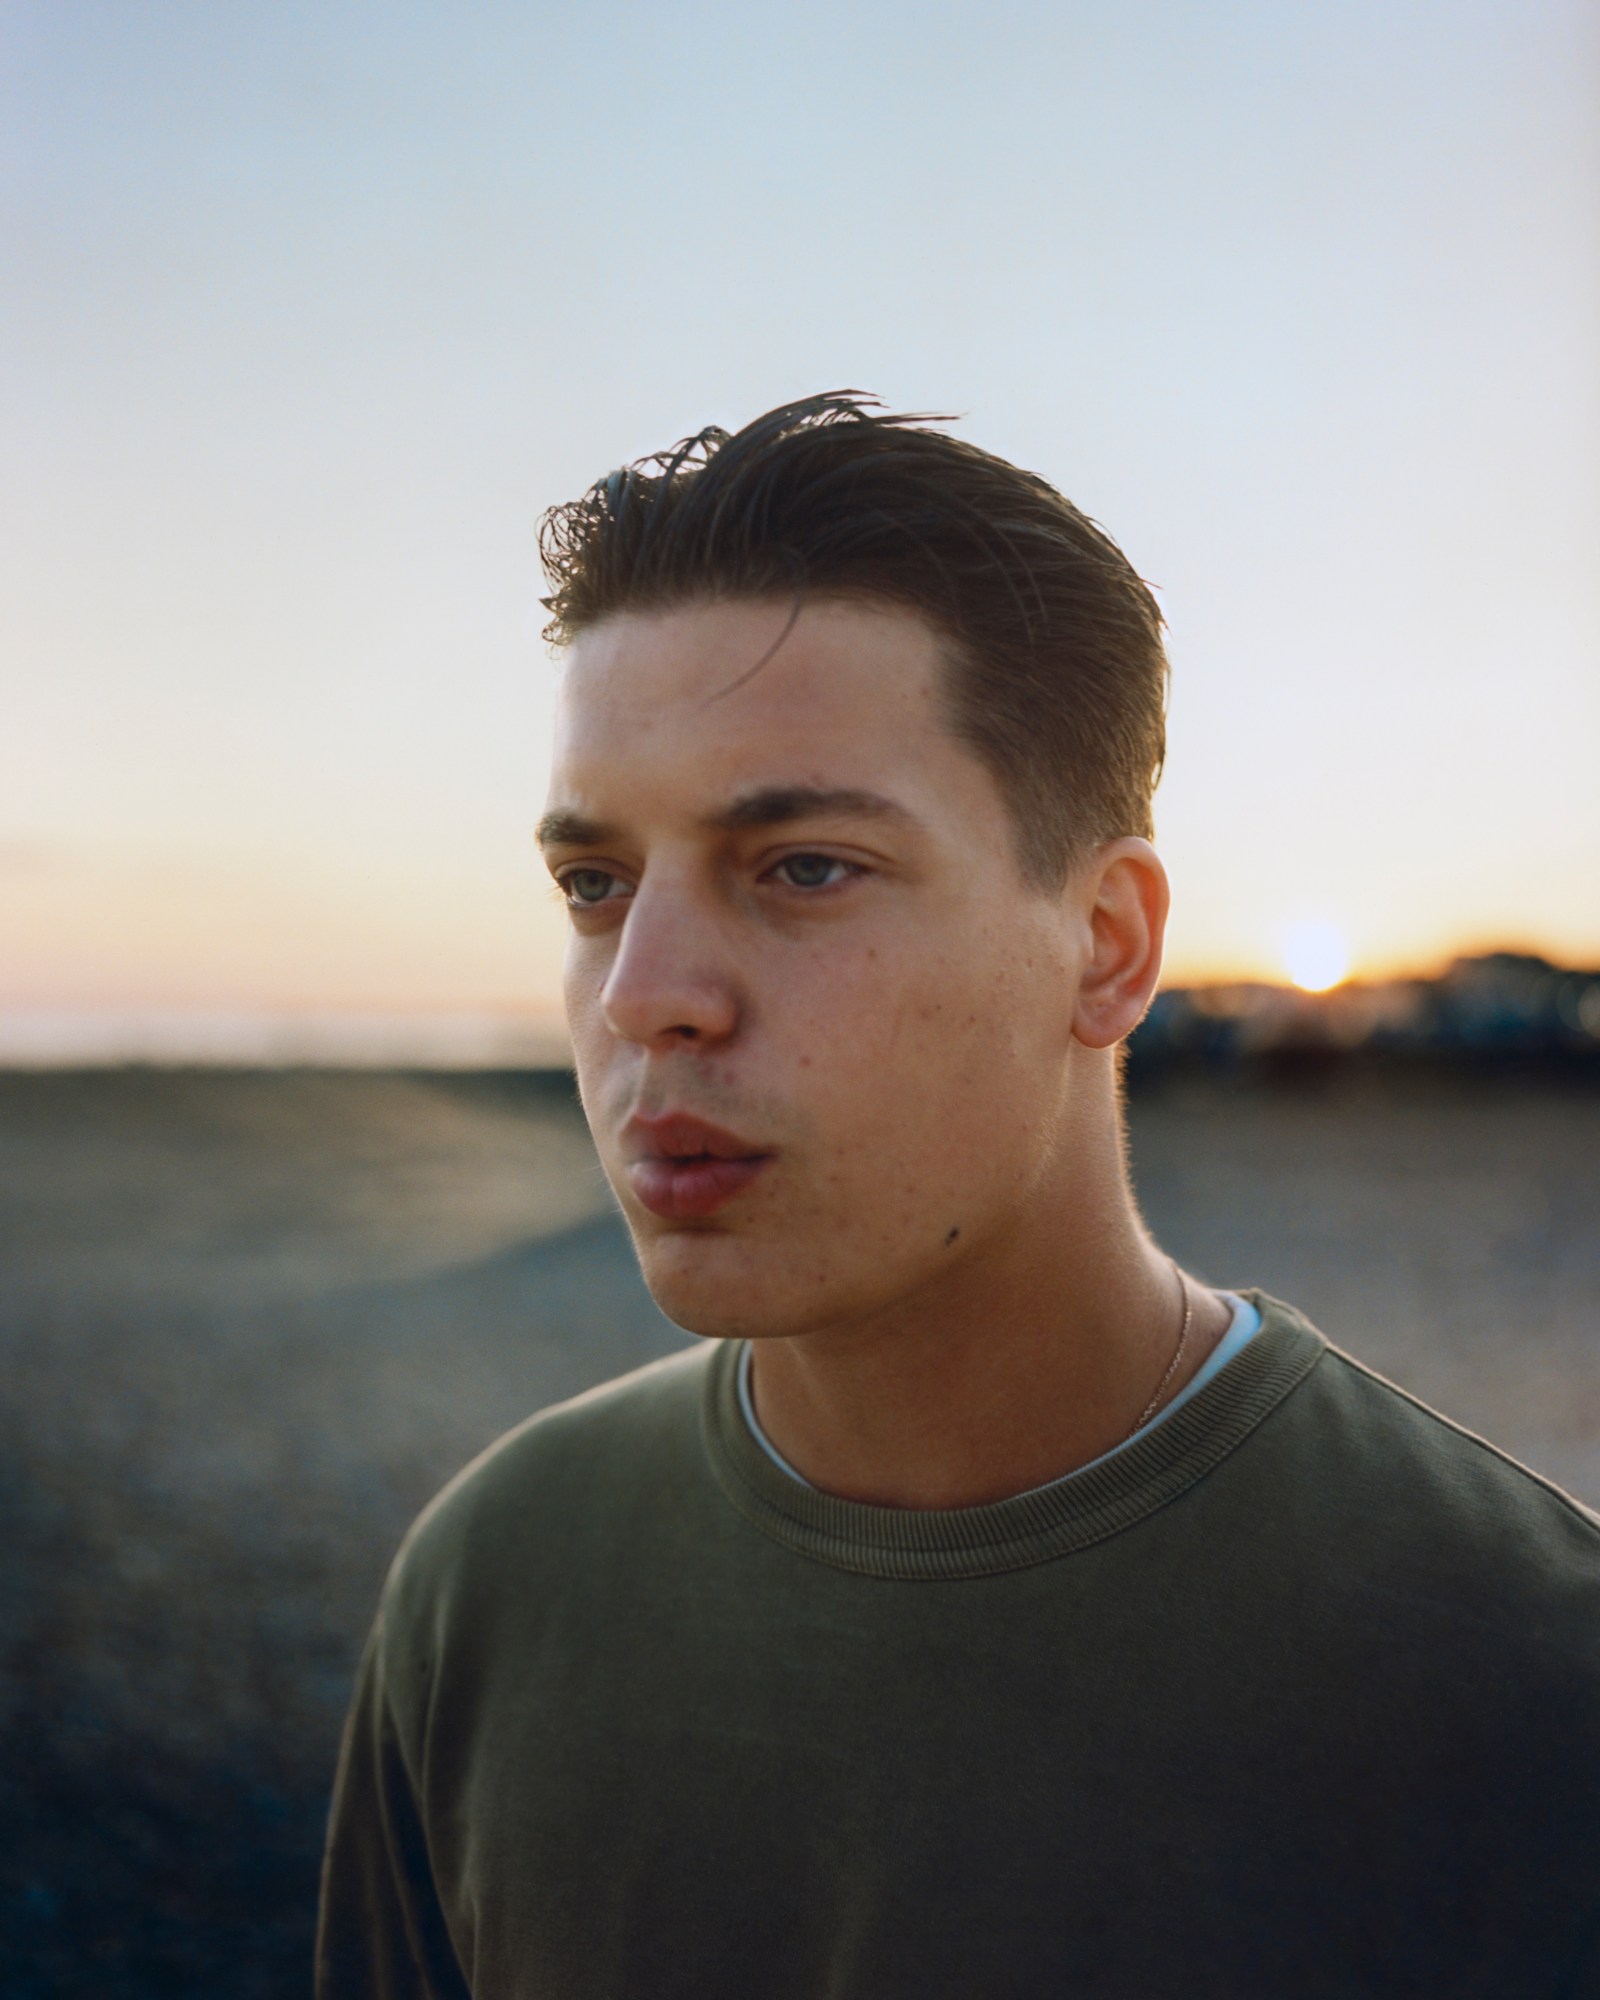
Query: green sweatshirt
[(1297, 1695)]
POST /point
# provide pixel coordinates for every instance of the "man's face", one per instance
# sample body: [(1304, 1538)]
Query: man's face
[(821, 1023)]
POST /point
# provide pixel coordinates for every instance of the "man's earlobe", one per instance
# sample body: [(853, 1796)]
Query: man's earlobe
[(1126, 899)]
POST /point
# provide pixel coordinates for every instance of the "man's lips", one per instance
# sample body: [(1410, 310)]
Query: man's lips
[(683, 1168)]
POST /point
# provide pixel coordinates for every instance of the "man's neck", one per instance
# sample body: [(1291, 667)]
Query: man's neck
[(1034, 1355)]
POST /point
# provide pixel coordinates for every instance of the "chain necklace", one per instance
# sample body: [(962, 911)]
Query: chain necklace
[(1154, 1403)]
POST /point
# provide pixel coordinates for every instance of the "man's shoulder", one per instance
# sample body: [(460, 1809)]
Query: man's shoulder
[(1393, 1486), (562, 1477), (1468, 1470)]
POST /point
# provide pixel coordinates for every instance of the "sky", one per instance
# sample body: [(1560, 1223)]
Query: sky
[(310, 310)]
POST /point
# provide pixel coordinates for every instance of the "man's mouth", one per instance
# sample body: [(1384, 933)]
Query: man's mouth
[(683, 1168)]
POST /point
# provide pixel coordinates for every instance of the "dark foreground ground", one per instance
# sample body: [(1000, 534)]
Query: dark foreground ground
[(248, 1323)]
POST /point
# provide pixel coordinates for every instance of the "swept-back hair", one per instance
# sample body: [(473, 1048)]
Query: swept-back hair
[(1056, 675)]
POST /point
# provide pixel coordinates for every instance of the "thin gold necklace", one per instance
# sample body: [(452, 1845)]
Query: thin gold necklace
[(1154, 1403)]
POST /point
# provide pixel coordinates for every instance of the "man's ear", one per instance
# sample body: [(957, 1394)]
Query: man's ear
[(1125, 901)]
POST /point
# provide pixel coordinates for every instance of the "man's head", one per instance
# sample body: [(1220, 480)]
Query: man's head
[(843, 1007), (1054, 668)]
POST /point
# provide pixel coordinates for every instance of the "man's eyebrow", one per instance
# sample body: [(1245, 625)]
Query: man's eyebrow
[(776, 805), (562, 828), (773, 805)]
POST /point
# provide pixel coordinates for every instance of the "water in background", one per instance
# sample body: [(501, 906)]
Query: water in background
[(250, 1322)]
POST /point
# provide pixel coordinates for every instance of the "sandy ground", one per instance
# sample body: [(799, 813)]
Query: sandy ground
[(250, 1322)]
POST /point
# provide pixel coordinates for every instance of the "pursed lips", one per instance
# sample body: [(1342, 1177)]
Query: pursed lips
[(683, 1168)]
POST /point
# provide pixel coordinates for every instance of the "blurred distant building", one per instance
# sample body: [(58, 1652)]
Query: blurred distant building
[(1498, 1008)]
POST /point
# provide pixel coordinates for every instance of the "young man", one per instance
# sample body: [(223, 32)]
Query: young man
[(987, 1608)]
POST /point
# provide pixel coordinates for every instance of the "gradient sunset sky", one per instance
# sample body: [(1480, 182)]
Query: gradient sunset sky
[(311, 309)]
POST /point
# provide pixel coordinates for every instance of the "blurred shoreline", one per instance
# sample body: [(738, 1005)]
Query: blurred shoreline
[(64, 1038)]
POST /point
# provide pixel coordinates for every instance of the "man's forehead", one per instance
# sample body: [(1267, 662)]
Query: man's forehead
[(748, 714), (741, 659)]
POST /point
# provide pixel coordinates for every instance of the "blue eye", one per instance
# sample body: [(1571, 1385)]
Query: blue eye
[(583, 887), (811, 871)]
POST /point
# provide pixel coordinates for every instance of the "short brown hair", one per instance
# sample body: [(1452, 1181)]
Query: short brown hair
[(1058, 676)]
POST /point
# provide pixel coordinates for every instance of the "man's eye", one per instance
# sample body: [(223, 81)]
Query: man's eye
[(812, 871), (584, 887)]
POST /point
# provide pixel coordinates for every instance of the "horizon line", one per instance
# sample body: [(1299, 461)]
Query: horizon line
[(174, 1035)]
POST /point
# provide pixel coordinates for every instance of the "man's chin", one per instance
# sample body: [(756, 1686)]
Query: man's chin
[(722, 1287)]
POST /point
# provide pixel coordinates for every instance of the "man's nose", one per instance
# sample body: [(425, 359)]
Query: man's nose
[(671, 982)]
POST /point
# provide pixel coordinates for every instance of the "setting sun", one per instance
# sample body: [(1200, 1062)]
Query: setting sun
[(1316, 954)]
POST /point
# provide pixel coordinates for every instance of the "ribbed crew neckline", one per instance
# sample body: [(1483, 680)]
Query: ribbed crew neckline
[(1033, 1527)]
